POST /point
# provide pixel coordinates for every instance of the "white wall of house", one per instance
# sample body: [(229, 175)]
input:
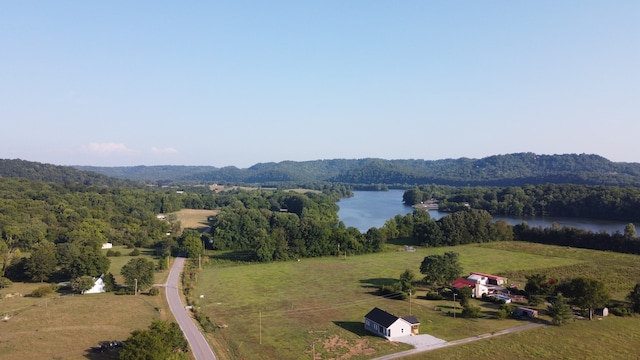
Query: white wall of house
[(399, 328), (98, 287)]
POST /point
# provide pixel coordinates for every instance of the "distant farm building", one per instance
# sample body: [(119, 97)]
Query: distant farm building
[(389, 326), (107, 245)]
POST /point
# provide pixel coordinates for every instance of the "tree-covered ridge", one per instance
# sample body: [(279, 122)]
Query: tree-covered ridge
[(57, 174), (500, 170), (563, 200)]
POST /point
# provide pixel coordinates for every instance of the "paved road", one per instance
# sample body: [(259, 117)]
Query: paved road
[(458, 342), (198, 344)]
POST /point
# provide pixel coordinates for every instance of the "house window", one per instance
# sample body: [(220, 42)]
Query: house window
[(368, 322), (388, 332)]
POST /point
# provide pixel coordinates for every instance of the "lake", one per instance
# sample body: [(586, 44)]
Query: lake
[(367, 209)]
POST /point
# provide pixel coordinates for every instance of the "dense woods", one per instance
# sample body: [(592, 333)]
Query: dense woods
[(60, 225), (500, 170), (563, 200)]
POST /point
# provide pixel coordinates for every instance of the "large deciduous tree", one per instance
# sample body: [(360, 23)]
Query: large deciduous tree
[(586, 293), (161, 341), (82, 283), (634, 297), (42, 262), (191, 244), (138, 272), (441, 269)]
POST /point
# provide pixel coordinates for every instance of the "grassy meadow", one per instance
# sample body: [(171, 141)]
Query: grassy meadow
[(67, 326), (299, 308), (193, 218)]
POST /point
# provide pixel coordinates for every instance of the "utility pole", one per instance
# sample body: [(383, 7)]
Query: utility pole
[(454, 305), (199, 262), (260, 319), (409, 301), (135, 288)]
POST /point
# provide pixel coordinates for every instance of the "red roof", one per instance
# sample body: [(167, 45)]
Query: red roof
[(462, 282), (489, 276)]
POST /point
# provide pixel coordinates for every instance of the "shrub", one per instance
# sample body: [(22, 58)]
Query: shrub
[(44, 290), (123, 291), (111, 252), (117, 253), (501, 314), (4, 282), (135, 252), (621, 310), (162, 264), (473, 312), (154, 291), (432, 295)]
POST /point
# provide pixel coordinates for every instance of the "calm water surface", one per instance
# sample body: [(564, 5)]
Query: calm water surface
[(367, 209)]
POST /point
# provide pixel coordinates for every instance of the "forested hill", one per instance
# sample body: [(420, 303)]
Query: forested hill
[(502, 170), (58, 174)]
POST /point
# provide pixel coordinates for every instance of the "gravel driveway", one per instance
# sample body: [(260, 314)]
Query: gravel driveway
[(420, 341)]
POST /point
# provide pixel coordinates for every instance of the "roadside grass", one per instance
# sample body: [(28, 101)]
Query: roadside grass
[(194, 219), (611, 338), (319, 304)]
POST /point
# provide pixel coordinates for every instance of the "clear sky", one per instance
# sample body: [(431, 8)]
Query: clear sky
[(118, 83)]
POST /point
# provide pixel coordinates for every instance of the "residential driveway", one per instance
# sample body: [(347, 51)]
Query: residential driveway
[(420, 341)]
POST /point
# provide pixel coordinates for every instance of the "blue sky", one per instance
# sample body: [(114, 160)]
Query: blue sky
[(242, 82)]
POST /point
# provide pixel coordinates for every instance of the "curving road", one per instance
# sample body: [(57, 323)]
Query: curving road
[(198, 344)]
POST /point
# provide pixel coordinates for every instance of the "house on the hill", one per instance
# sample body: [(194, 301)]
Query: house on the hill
[(480, 283), (98, 286), (390, 326)]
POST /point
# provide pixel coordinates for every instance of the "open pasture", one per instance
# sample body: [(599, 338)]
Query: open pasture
[(299, 308), (194, 219), (66, 327)]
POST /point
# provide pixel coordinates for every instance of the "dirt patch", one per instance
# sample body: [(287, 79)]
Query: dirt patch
[(343, 349)]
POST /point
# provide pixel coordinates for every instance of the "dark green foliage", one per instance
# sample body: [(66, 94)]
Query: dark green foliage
[(204, 320), (161, 341), (441, 269), (393, 291), (538, 284), (135, 252), (560, 311), (634, 298), (433, 295), (586, 293), (109, 282), (190, 243), (82, 283), (472, 312), (464, 294), (154, 291), (44, 290), (42, 262), (138, 271)]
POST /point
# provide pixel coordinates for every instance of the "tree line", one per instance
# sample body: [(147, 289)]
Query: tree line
[(562, 200)]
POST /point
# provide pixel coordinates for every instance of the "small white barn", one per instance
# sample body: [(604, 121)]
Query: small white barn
[(390, 326), (107, 246), (98, 286)]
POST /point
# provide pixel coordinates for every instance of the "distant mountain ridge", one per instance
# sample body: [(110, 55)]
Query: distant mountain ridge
[(16, 168), (500, 170)]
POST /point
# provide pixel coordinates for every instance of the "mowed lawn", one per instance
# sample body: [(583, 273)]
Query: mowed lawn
[(317, 305)]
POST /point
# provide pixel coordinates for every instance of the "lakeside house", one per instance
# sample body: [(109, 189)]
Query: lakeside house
[(389, 326)]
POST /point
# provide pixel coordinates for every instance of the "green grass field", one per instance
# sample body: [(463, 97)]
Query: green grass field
[(65, 327), (318, 304)]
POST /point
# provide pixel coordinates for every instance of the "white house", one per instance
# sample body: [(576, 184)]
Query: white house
[(390, 326), (98, 286), (107, 245)]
